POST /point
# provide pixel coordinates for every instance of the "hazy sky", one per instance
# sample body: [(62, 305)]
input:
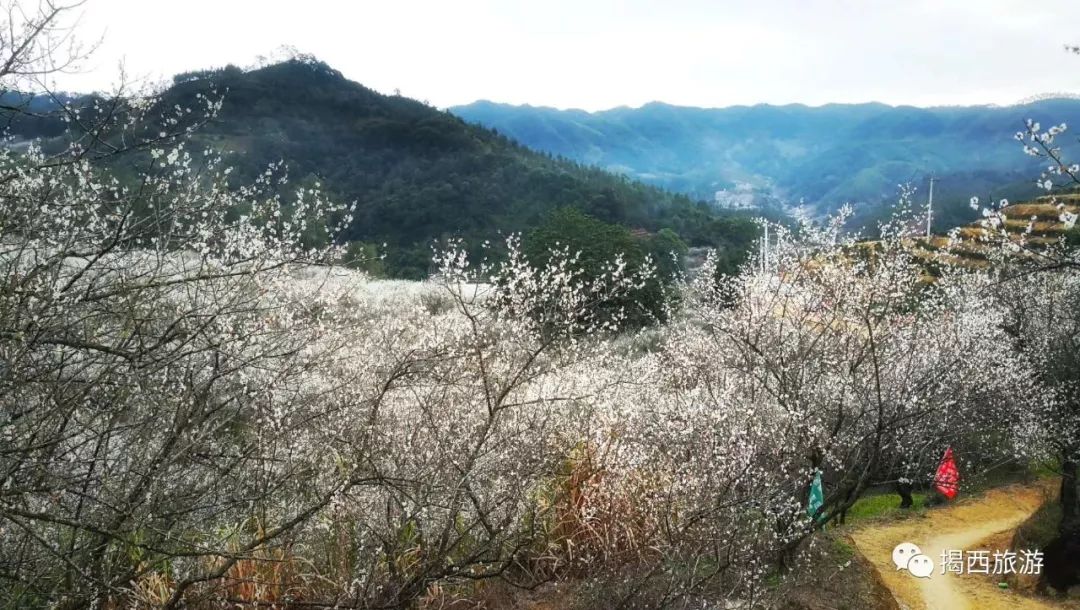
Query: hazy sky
[(597, 54)]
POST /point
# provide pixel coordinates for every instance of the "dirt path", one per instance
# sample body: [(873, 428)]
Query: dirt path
[(960, 526)]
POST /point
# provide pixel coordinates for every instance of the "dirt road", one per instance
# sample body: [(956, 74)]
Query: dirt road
[(961, 526)]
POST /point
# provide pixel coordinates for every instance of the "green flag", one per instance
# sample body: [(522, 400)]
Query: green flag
[(817, 495)]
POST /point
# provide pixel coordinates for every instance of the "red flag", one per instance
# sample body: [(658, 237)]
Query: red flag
[(947, 478)]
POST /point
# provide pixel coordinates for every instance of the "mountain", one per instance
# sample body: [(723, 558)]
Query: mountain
[(417, 173), (824, 156)]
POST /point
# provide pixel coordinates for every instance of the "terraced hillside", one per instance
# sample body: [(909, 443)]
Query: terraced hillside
[(1035, 225)]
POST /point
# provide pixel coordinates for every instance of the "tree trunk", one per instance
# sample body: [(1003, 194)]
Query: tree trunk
[(1062, 563), (904, 489), (1070, 501)]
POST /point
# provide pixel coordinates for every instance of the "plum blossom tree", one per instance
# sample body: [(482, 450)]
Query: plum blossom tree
[(836, 356), (862, 366), (1035, 289), (144, 357), (142, 339), (199, 408)]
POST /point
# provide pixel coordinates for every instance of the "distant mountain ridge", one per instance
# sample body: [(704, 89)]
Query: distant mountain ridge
[(418, 175), (824, 155)]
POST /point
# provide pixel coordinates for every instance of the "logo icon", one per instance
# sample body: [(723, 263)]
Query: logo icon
[(908, 556), (904, 552), (920, 566)]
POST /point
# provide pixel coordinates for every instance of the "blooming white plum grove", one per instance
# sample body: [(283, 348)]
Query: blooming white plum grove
[(198, 408), (843, 359), (1038, 292), (187, 388)]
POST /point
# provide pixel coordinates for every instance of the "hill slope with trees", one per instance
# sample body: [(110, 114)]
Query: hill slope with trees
[(825, 156), (417, 174)]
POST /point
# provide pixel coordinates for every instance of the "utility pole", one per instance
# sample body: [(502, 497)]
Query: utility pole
[(930, 207), (765, 249)]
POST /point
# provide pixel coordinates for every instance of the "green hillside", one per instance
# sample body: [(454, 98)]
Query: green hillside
[(419, 174), (825, 156)]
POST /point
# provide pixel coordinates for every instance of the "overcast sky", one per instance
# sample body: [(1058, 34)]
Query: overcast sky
[(597, 54)]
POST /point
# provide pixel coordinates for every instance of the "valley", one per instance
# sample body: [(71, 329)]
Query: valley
[(821, 156)]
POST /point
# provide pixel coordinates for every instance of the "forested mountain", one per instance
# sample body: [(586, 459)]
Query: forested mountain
[(418, 174), (825, 156)]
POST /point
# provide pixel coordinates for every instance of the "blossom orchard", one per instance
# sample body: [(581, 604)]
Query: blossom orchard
[(198, 405)]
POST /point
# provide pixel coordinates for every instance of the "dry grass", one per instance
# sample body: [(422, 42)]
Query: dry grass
[(1038, 227), (268, 579), (151, 590), (973, 233), (599, 516), (1042, 211), (952, 260)]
